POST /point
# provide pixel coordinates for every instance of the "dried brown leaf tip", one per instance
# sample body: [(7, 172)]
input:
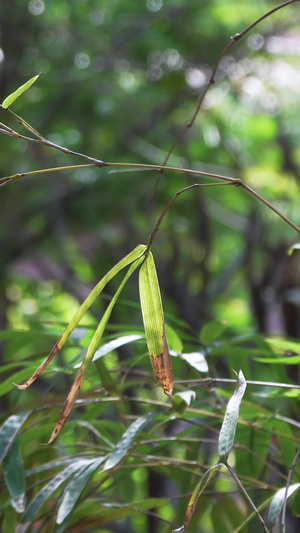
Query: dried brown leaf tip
[(154, 324), (71, 398)]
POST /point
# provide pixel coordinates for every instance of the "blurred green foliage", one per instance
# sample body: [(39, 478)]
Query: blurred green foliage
[(120, 81)]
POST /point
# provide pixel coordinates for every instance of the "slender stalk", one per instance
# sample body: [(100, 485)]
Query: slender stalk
[(240, 485), (170, 203), (193, 382), (290, 475), (237, 37)]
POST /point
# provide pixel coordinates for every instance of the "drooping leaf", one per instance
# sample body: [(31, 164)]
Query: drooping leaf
[(126, 441), (277, 503), (113, 345), (75, 488), (76, 386), (9, 100), (15, 476), (154, 324), (9, 430), (197, 493), (130, 258), (39, 500), (228, 429)]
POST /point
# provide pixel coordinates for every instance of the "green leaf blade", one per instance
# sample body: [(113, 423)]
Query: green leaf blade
[(15, 476), (228, 429), (75, 488), (154, 325), (9, 430), (10, 99), (126, 441)]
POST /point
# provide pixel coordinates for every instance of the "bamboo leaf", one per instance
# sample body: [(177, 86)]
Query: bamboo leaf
[(76, 386), (9, 100), (196, 360), (39, 500), (75, 488), (154, 324), (228, 429), (15, 476), (126, 441), (9, 430), (130, 258), (277, 503), (113, 345), (197, 493)]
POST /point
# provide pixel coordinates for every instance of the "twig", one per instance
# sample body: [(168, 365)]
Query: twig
[(240, 485), (228, 380), (290, 475), (237, 37)]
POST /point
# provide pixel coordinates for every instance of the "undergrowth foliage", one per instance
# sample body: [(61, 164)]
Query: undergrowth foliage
[(265, 449)]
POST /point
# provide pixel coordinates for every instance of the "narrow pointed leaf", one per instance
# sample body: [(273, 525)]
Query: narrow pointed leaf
[(13, 96), (197, 493), (9, 430), (130, 258), (15, 476), (113, 345), (75, 488), (126, 441), (76, 386), (228, 429), (154, 324), (277, 503), (47, 490)]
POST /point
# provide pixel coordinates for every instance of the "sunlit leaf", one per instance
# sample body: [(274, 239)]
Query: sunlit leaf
[(75, 488), (228, 429), (154, 324), (277, 503), (126, 441), (15, 476), (9, 430), (13, 96), (181, 400), (196, 360)]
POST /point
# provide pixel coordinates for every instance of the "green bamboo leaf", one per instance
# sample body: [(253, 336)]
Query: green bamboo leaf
[(126, 441), (13, 96), (181, 400), (228, 429), (154, 324), (75, 488), (80, 376), (277, 503), (294, 247), (39, 500), (212, 331), (113, 345), (288, 360), (9, 430), (15, 476), (9, 383), (197, 493), (130, 258)]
